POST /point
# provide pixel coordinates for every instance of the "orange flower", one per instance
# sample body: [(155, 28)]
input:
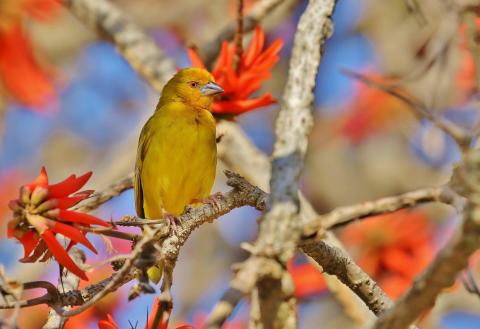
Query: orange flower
[(392, 248), (41, 212), (20, 73), (240, 83)]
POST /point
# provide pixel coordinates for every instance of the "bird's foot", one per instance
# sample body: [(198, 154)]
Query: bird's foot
[(214, 200), (173, 223)]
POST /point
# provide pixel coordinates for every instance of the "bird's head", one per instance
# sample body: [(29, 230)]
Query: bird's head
[(193, 86)]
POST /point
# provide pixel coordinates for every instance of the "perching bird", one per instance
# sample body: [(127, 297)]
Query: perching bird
[(177, 150)]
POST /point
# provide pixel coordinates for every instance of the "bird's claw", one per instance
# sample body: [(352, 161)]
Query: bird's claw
[(173, 223), (214, 200)]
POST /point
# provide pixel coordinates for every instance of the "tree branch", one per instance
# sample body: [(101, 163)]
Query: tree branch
[(242, 194), (223, 309), (257, 13), (337, 262), (101, 197), (344, 215), (462, 136), (137, 48), (280, 228), (451, 259)]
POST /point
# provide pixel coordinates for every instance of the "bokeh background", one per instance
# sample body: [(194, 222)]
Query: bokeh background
[(69, 101)]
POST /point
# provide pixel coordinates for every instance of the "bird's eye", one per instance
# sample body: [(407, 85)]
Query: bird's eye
[(193, 84)]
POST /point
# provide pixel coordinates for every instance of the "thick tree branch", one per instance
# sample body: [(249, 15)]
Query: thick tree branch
[(137, 48), (234, 144), (280, 228)]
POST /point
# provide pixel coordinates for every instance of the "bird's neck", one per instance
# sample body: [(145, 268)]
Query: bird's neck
[(199, 104)]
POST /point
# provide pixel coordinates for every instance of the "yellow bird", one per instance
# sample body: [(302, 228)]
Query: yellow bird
[(177, 150)]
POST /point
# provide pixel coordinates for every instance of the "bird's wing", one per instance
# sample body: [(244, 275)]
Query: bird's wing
[(141, 153)]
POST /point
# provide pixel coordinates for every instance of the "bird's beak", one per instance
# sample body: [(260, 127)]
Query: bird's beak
[(211, 88)]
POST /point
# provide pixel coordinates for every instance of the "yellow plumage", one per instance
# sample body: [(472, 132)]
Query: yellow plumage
[(177, 152)]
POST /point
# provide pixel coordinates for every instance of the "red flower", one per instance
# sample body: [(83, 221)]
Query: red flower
[(240, 83), (107, 324), (41, 212), (20, 72), (392, 248), (164, 320)]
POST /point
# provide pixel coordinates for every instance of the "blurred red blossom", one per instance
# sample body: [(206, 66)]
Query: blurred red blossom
[(41, 212), (392, 248), (20, 73), (9, 181), (370, 111), (307, 279), (242, 80)]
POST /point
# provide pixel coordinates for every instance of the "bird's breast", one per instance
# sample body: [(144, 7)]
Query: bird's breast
[(182, 160)]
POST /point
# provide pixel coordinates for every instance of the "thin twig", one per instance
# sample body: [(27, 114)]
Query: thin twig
[(458, 133), (259, 10), (239, 35), (67, 282), (469, 283), (100, 197), (415, 9), (344, 215), (118, 278), (223, 309), (113, 233)]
